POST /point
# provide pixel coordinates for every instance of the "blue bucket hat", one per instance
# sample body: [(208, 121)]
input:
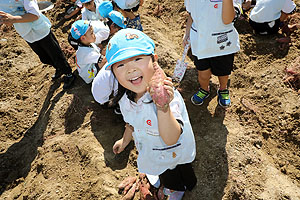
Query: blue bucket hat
[(79, 28), (85, 1), (128, 43), (105, 8), (117, 18)]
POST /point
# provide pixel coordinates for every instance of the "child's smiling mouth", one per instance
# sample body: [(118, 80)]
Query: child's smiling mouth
[(136, 80)]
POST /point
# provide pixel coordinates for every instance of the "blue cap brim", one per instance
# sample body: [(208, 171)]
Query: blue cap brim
[(125, 54)]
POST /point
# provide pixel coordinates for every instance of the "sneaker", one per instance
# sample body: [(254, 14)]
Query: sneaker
[(223, 98), (57, 75), (117, 110), (199, 97), (68, 81)]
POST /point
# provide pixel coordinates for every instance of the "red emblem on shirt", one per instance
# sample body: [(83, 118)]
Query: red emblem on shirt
[(216, 6), (149, 122)]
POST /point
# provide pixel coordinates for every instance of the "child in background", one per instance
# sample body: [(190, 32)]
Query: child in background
[(34, 28), (214, 40), (74, 9), (268, 16), (128, 9), (90, 10), (88, 57), (103, 86), (163, 135), (116, 20), (105, 83)]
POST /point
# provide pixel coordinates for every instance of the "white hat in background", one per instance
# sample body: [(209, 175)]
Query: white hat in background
[(127, 4)]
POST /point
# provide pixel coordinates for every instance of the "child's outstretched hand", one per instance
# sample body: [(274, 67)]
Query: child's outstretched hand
[(121, 144), (6, 18), (118, 146)]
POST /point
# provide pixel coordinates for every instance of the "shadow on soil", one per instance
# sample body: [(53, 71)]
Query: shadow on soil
[(16, 161), (210, 165)]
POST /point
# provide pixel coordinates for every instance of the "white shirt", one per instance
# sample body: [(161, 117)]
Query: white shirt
[(103, 85), (89, 15), (270, 10), (78, 3), (101, 31), (86, 58), (155, 156), (30, 31), (209, 36)]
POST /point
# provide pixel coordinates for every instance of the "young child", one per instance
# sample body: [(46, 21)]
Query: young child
[(115, 20), (34, 28), (88, 57), (90, 10), (214, 40), (268, 16), (163, 135), (104, 85), (128, 9), (74, 10)]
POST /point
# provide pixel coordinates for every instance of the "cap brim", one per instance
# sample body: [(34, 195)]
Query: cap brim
[(125, 55)]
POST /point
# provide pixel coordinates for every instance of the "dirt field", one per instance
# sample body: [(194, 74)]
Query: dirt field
[(57, 144)]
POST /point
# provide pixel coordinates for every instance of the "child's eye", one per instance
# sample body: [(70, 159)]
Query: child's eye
[(120, 65), (137, 59)]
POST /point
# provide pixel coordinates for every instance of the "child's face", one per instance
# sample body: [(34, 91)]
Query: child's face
[(89, 5), (134, 73), (113, 29), (89, 36)]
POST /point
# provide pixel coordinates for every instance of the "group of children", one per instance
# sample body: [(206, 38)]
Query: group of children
[(117, 57)]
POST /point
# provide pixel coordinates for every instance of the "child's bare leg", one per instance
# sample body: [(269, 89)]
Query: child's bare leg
[(223, 80), (203, 78)]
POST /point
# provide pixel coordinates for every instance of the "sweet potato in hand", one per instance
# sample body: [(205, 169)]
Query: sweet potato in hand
[(157, 91)]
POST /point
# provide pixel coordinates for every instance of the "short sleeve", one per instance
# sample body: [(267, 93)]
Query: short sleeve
[(289, 6), (78, 3), (31, 7), (176, 106), (92, 57), (187, 5), (84, 15), (103, 85)]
